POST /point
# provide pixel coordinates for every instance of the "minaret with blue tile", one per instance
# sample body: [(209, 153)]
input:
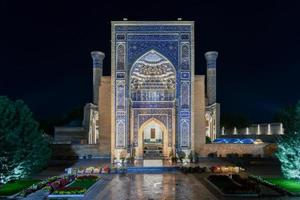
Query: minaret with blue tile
[(211, 78)]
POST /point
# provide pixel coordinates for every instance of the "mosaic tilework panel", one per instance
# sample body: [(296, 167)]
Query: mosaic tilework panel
[(120, 95), (167, 48), (150, 28), (120, 129), (185, 133), (185, 56), (185, 95), (120, 56)]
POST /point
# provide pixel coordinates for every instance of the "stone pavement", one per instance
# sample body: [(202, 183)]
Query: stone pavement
[(38, 195), (151, 186), (159, 186), (98, 187)]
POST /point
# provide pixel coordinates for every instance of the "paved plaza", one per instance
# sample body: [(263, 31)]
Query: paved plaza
[(160, 187), (174, 185), (151, 186)]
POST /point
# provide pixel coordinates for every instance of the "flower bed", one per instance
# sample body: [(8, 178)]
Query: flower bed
[(91, 170), (77, 188), (224, 169), (69, 191), (106, 169), (235, 186), (196, 169), (49, 185)]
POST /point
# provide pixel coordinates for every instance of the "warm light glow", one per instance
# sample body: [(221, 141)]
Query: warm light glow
[(234, 131), (223, 130), (247, 131), (281, 129), (269, 129)]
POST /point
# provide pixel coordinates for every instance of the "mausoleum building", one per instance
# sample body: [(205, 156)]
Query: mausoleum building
[(153, 104)]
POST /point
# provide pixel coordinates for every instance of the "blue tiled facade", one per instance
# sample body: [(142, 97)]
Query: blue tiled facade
[(172, 43)]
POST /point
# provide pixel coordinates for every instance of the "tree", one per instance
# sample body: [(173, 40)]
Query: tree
[(24, 149), (289, 116), (288, 151), (297, 117), (207, 140)]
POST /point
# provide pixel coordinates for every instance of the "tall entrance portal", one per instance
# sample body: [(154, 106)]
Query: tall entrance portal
[(152, 84), (152, 92)]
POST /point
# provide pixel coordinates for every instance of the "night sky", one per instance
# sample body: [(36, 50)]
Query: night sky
[(45, 50)]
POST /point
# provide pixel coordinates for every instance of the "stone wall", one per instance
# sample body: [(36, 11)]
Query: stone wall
[(199, 112), (87, 149), (105, 116), (224, 149), (67, 151), (68, 135)]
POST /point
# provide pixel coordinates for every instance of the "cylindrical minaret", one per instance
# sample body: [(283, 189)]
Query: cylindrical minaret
[(211, 81), (98, 57)]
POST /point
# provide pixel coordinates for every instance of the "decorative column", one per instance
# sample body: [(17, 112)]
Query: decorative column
[(212, 106), (211, 81), (97, 57)]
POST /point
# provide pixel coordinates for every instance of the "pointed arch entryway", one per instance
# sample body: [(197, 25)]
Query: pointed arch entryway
[(160, 140)]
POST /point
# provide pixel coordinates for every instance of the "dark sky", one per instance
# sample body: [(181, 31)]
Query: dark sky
[(45, 49)]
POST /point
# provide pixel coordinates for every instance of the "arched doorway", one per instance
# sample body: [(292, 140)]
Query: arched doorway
[(153, 140)]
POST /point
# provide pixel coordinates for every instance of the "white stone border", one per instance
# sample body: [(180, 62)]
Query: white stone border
[(66, 196)]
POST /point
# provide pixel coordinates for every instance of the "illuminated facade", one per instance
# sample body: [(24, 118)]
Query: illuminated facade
[(153, 101)]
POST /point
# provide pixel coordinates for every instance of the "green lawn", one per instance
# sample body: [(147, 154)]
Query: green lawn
[(86, 183), (289, 185), (15, 187)]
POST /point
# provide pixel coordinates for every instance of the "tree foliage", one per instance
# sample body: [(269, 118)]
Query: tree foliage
[(24, 149), (207, 140), (288, 151), (289, 116)]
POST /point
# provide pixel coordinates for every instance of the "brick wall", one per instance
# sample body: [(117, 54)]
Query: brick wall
[(199, 112), (105, 116)]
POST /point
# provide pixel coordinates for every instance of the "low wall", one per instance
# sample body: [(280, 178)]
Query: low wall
[(224, 149), (88, 149), (79, 150), (69, 135)]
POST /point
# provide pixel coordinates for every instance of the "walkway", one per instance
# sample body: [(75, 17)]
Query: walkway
[(151, 186)]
